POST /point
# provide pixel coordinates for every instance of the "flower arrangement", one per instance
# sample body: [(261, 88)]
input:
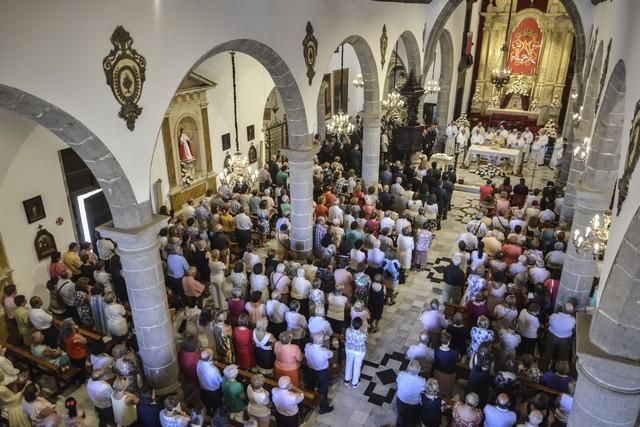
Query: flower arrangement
[(462, 121), (549, 129), (489, 171), (519, 86)]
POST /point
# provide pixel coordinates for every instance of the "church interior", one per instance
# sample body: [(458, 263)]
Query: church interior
[(319, 213)]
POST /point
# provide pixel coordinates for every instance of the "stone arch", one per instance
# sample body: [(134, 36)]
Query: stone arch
[(371, 115), (413, 52), (445, 78), (125, 210), (451, 5), (283, 80), (602, 166)]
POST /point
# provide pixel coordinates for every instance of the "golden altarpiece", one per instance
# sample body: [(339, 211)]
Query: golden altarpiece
[(539, 52), (187, 143)]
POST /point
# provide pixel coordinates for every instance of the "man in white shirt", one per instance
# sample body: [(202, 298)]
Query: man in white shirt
[(43, 321), (421, 352), (559, 336), (547, 215), (250, 259), (66, 289), (318, 361), (100, 391), (188, 211), (275, 312), (286, 399), (387, 222), (106, 248), (318, 325), (210, 381), (335, 212), (172, 415), (499, 415), (243, 229), (433, 322), (527, 326), (409, 386)]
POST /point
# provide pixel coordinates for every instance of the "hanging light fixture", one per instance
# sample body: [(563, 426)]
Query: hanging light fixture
[(500, 76), (358, 81), (595, 236), (577, 117), (340, 124), (237, 174), (582, 151), (394, 104), (432, 85)]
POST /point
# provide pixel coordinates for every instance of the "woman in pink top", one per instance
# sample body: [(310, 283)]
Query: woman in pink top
[(255, 308), (288, 358), (190, 285), (56, 267)]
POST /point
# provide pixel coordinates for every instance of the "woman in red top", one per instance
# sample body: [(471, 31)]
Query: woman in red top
[(321, 207), (74, 343), (56, 267), (236, 306), (188, 358), (243, 342)]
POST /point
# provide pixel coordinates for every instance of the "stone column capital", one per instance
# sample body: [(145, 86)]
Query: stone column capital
[(134, 239)]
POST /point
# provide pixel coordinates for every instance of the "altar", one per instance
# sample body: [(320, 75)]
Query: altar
[(495, 155)]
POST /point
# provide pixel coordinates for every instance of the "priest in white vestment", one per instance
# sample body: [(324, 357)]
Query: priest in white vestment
[(558, 150), (450, 143)]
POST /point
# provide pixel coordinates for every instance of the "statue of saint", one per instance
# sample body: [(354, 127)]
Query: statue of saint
[(184, 143)]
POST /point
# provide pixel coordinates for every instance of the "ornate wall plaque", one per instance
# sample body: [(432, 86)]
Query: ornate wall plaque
[(44, 243), (310, 51), (253, 154), (384, 42), (125, 70), (633, 152), (603, 75)]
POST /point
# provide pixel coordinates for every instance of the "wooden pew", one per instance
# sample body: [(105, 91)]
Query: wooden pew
[(311, 398), (61, 378)]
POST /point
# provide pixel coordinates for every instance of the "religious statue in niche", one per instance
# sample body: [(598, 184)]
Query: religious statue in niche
[(186, 152), (125, 70), (631, 162), (45, 243)]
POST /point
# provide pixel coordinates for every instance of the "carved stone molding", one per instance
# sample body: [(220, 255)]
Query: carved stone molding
[(125, 69), (310, 51)]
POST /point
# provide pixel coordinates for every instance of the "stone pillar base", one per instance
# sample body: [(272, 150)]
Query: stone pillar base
[(608, 388)]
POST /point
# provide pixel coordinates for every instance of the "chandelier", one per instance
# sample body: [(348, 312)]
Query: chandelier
[(500, 76), (577, 117), (340, 124), (394, 105), (582, 151), (358, 81), (432, 85), (595, 237), (237, 174)]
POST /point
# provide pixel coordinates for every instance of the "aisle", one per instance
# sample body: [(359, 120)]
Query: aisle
[(373, 403)]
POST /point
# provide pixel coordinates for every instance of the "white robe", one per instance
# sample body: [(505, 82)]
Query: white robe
[(538, 149), (527, 136), (512, 140), (450, 143), (558, 150)]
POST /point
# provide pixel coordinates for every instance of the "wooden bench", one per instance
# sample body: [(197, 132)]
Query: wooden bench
[(311, 398), (61, 378)]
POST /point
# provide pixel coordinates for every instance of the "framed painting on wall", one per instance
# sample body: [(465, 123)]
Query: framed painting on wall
[(326, 95), (34, 209), (251, 133), (226, 141), (340, 97)]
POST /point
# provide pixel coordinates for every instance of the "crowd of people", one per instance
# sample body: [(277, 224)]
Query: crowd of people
[(243, 300)]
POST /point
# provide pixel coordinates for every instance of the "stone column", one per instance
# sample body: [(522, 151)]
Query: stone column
[(301, 187), (371, 149), (142, 269), (608, 388), (575, 170), (579, 268)]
